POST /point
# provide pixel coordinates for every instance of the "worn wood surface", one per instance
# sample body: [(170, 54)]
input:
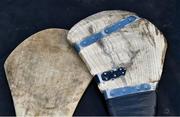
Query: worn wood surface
[(140, 47), (45, 75)]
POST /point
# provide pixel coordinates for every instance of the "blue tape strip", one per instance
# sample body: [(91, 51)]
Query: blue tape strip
[(100, 35), (129, 90)]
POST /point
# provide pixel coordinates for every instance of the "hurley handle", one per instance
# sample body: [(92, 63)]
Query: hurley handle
[(139, 104)]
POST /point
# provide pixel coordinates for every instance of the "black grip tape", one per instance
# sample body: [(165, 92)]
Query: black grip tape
[(139, 104)]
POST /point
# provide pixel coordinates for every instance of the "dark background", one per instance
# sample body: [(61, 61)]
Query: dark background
[(21, 18)]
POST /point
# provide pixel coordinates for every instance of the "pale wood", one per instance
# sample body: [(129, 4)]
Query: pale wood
[(140, 47), (45, 75)]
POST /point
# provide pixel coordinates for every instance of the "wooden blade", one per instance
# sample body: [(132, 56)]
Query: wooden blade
[(139, 47), (45, 75)]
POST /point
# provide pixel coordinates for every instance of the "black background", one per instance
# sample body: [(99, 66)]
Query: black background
[(21, 18)]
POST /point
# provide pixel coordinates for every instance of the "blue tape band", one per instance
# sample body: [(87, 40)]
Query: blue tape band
[(110, 75), (129, 90), (106, 31)]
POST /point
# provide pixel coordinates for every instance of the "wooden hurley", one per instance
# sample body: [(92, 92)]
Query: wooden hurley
[(45, 75), (125, 54)]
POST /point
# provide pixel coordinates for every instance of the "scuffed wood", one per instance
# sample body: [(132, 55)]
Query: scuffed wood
[(140, 47), (45, 75)]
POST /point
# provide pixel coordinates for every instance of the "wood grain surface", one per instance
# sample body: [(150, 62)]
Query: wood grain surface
[(140, 47), (45, 75)]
